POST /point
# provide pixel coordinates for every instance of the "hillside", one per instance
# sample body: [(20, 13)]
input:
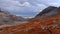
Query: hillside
[(46, 23), (8, 19), (46, 10)]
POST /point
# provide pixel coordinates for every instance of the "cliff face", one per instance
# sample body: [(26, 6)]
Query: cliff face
[(46, 23)]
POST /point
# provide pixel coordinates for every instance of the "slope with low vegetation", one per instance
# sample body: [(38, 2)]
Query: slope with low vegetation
[(46, 23)]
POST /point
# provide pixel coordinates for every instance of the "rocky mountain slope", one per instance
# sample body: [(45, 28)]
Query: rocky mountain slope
[(47, 22), (46, 10), (8, 19)]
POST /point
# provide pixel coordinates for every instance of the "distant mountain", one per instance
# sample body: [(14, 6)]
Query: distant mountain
[(8, 19)]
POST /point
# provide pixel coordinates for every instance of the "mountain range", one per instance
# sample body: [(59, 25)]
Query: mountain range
[(46, 22), (8, 19)]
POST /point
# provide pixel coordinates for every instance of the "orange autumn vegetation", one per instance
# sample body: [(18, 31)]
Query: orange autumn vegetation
[(35, 26)]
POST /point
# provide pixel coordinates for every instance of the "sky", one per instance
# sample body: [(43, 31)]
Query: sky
[(27, 8)]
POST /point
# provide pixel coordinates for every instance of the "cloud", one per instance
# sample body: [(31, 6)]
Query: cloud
[(54, 4), (40, 7), (26, 4), (12, 5), (9, 4), (27, 7)]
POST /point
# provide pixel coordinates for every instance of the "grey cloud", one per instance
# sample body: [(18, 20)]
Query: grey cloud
[(25, 6)]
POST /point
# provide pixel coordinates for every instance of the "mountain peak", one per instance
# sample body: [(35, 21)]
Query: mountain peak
[(46, 10)]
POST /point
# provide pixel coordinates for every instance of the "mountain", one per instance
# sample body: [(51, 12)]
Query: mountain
[(48, 9), (47, 22), (8, 19)]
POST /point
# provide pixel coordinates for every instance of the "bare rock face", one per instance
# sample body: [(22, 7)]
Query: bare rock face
[(46, 22)]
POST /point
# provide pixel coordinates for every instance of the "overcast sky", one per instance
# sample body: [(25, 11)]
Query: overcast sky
[(27, 8)]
